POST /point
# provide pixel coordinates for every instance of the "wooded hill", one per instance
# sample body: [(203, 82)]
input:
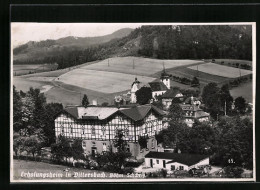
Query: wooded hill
[(161, 42)]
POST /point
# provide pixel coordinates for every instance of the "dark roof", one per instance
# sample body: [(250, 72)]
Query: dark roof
[(73, 111), (201, 113), (135, 113), (187, 159), (139, 112), (157, 86), (171, 93)]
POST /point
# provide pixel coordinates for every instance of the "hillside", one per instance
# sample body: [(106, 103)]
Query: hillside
[(159, 42), (48, 48)]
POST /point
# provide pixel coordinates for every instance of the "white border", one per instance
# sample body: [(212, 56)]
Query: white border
[(112, 180)]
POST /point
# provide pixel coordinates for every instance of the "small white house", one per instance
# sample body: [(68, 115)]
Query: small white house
[(175, 161)]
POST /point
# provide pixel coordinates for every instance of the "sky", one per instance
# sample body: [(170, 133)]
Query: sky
[(22, 33)]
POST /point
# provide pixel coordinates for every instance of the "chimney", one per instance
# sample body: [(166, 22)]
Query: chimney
[(94, 102)]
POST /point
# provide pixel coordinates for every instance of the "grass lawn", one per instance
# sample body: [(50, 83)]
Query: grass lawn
[(38, 68), (21, 167)]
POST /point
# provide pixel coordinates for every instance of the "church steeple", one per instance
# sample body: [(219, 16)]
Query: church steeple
[(165, 78), (135, 86)]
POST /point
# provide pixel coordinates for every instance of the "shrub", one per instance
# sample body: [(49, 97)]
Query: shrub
[(233, 172), (163, 173)]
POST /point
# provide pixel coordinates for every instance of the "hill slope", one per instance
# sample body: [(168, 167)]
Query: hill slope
[(48, 48)]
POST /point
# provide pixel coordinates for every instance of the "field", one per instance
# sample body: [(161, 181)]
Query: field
[(231, 61), (137, 65), (220, 70), (36, 68), (101, 81)]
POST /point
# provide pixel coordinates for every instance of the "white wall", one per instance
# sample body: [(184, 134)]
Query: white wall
[(177, 166)]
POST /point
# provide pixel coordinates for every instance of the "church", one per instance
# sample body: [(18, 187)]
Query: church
[(97, 127)]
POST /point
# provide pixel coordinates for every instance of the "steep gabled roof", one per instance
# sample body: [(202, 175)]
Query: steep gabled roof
[(187, 159), (157, 86), (99, 113), (171, 93), (139, 112)]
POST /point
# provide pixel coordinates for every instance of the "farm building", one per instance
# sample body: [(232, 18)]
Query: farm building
[(97, 126), (175, 161), (168, 96)]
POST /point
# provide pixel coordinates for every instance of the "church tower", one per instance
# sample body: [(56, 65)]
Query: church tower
[(165, 78), (135, 86)]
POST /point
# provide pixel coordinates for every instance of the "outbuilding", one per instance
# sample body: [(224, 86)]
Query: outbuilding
[(175, 161)]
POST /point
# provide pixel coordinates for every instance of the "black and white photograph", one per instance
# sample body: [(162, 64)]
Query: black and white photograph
[(132, 102)]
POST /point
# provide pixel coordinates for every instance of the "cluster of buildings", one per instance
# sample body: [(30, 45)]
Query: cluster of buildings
[(97, 126)]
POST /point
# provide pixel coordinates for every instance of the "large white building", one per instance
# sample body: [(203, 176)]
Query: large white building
[(97, 127)]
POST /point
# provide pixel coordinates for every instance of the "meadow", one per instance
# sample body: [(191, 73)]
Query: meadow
[(221, 70), (137, 65), (101, 81), (19, 70)]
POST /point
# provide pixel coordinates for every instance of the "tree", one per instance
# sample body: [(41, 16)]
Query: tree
[(61, 149), (211, 99), (225, 98), (195, 81), (233, 172), (17, 110), (240, 104), (175, 112), (235, 142), (51, 110), (119, 141), (143, 95), (77, 150), (142, 142), (85, 101)]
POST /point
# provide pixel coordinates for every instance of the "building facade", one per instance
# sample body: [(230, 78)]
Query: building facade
[(98, 126), (193, 112), (175, 161)]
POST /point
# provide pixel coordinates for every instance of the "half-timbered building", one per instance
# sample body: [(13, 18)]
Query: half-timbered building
[(97, 127)]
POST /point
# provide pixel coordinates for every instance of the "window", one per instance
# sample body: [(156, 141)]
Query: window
[(103, 130), (93, 131), (126, 131), (127, 148), (152, 143), (181, 168), (157, 161), (172, 167), (104, 147), (71, 129), (84, 144), (82, 130), (62, 129)]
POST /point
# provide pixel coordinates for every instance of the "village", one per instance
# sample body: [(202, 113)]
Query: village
[(133, 128), (135, 106)]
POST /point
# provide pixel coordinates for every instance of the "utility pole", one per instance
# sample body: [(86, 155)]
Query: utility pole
[(225, 107), (163, 68)]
